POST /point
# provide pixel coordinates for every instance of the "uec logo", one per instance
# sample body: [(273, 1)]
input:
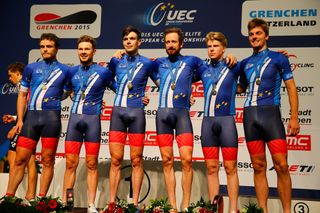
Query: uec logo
[(156, 14)]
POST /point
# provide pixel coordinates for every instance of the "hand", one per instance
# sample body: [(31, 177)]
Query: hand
[(293, 126), (11, 133), (231, 60), (284, 52), (8, 119), (192, 100), (146, 100), (118, 54)]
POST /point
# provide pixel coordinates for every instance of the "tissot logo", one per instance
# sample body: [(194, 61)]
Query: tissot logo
[(65, 20)]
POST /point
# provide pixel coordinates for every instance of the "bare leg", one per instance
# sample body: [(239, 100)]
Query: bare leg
[(259, 162), (72, 161), (284, 180), (169, 176), (48, 160), (116, 152), (17, 172), (137, 171), (187, 174), (233, 184), (92, 178), (32, 178), (213, 177)]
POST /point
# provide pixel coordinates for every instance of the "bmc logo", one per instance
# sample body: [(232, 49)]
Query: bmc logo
[(197, 89), (106, 112), (299, 142), (239, 115), (151, 138), (151, 89)]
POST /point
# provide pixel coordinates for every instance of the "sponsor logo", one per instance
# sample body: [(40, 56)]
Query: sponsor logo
[(168, 14), (299, 65), (305, 117), (242, 141), (302, 90), (66, 21), (8, 89), (196, 114), (197, 89), (295, 18), (299, 169), (299, 142), (151, 138), (152, 89), (239, 115), (106, 112)]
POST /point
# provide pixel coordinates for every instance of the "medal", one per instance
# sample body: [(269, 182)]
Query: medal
[(44, 87), (258, 81), (129, 85), (173, 86), (83, 96), (214, 92)]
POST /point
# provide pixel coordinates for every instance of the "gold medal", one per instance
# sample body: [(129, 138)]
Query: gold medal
[(129, 85), (173, 86), (258, 81), (214, 92), (44, 87)]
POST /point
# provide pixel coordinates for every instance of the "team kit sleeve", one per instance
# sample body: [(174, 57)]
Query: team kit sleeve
[(111, 83), (26, 79), (153, 73), (285, 69)]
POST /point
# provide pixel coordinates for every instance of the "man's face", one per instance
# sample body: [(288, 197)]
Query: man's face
[(85, 53), (258, 38), (131, 43), (14, 77), (172, 44), (48, 49), (215, 50)]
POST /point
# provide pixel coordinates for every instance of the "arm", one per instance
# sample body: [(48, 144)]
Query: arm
[(231, 60), (21, 108), (293, 125)]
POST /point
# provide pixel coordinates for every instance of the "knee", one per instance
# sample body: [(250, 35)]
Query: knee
[(281, 168), (259, 166), (71, 164), (91, 165), (48, 161), (212, 169), (230, 170), (136, 161), (167, 161), (116, 161), (186, 163)]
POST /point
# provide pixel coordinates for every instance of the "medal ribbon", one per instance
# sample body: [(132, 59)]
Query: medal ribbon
[(130, 67), (258, 66), (215, 77)]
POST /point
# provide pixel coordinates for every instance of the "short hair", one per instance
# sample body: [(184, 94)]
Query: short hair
[(50, 37), (218, 36), (16, 67), (257, 22), (86, 38), (174, 30), (130, 29)]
